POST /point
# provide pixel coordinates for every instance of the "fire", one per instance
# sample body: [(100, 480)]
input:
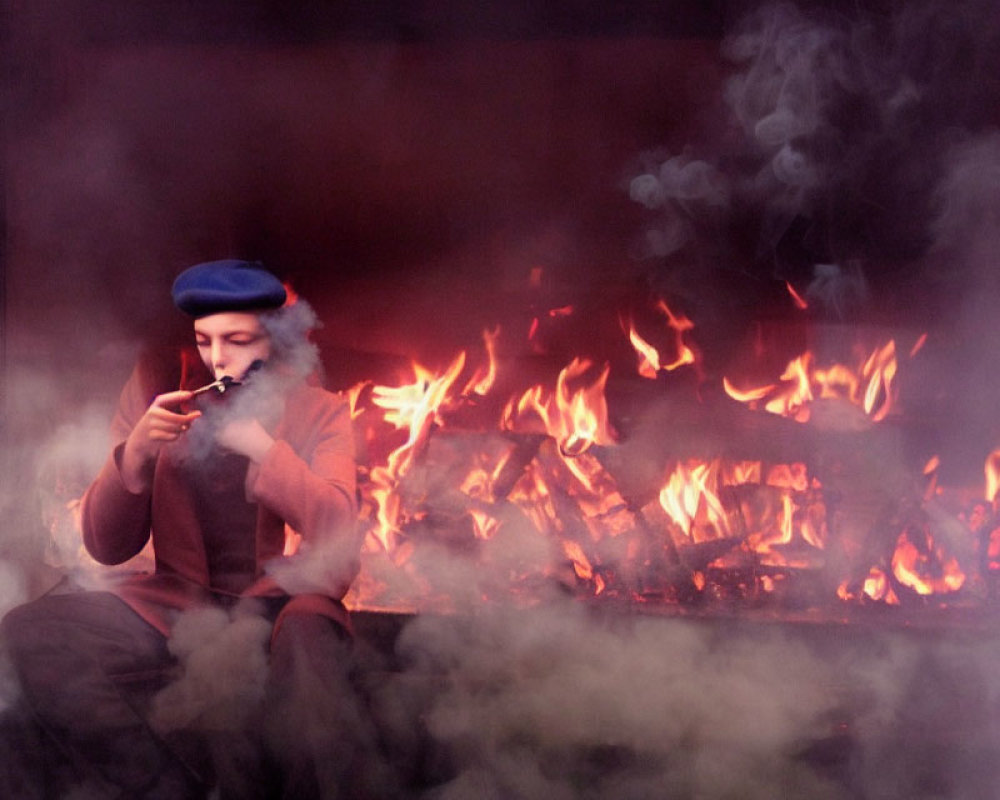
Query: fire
[(918, 345), (543, 474), (801, 304), (482, 381), (413, 407), (575, 418), (765, 509), (649, 357), (880, 370), (353, 397), (690, 501), (870, 386), (923, 566), (992, 470)]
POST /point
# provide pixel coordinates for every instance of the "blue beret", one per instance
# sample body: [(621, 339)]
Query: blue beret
[(227, 285)]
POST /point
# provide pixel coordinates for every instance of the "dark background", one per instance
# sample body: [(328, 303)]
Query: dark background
[(409, 167)]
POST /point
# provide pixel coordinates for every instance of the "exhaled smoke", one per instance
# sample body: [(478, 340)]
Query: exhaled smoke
[(294, 358)]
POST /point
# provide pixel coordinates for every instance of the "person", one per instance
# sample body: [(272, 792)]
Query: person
[(242, 456)]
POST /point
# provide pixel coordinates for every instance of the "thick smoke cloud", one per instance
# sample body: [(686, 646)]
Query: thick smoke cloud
[(848, 127), (560, 701)]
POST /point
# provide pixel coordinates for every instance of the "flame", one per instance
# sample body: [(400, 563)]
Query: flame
[(688, 496), (581, 565), (353, 396), (992, 470), (802, 382), (484, 524), (576, 419), (482, 381), (765, 508), (413, 407), (876, 587), (793, 402), (649, 359), (880, 369), (649, 356), (924, 567), (680, 325), (918, 345), (749, 396), (993, 550), (796, 297)]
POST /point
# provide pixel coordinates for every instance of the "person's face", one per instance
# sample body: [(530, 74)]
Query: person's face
[(230, 341)]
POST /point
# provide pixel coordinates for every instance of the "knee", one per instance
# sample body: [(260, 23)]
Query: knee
[(18, 630)]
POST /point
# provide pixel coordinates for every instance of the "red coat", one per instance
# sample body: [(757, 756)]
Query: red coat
[(306, 479)]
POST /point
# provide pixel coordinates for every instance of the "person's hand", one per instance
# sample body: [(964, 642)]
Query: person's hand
[(163, 422), (246, 437)]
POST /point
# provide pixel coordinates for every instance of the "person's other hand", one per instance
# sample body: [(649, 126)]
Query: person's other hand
[(247, 437)]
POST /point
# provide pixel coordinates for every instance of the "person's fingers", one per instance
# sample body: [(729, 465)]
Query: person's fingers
[(165, 417), (172, 398)]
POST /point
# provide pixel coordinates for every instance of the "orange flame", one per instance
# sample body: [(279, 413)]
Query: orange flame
[(918, 345), (680, 325), (992, 470), (575, 419), (802, 382), (482, 381), (689, 496), (649, 358), (880, 369), (796, 297), (924, 567), (412, 407), (353, 395)]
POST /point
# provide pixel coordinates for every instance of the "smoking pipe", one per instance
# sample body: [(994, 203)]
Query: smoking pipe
[(226, 382)]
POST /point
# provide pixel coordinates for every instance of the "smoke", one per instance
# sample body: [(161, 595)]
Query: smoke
[(316, 567), (559, 701), (223, 660), (294, 358), (853, 144)]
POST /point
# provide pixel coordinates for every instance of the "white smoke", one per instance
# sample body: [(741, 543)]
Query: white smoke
[(560, 701), (223, 658)]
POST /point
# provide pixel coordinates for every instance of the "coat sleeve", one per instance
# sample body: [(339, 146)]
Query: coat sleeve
[(313, 487), (116, 523)]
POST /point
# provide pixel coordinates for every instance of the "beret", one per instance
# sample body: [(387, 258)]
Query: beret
[(226, 285)]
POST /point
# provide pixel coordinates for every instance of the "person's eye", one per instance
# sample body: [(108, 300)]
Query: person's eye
[(243, 341)]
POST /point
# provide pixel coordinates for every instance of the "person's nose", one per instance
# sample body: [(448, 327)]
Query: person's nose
[(219, 356)]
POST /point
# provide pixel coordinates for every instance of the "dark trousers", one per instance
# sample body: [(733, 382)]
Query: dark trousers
[(86, 663)]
